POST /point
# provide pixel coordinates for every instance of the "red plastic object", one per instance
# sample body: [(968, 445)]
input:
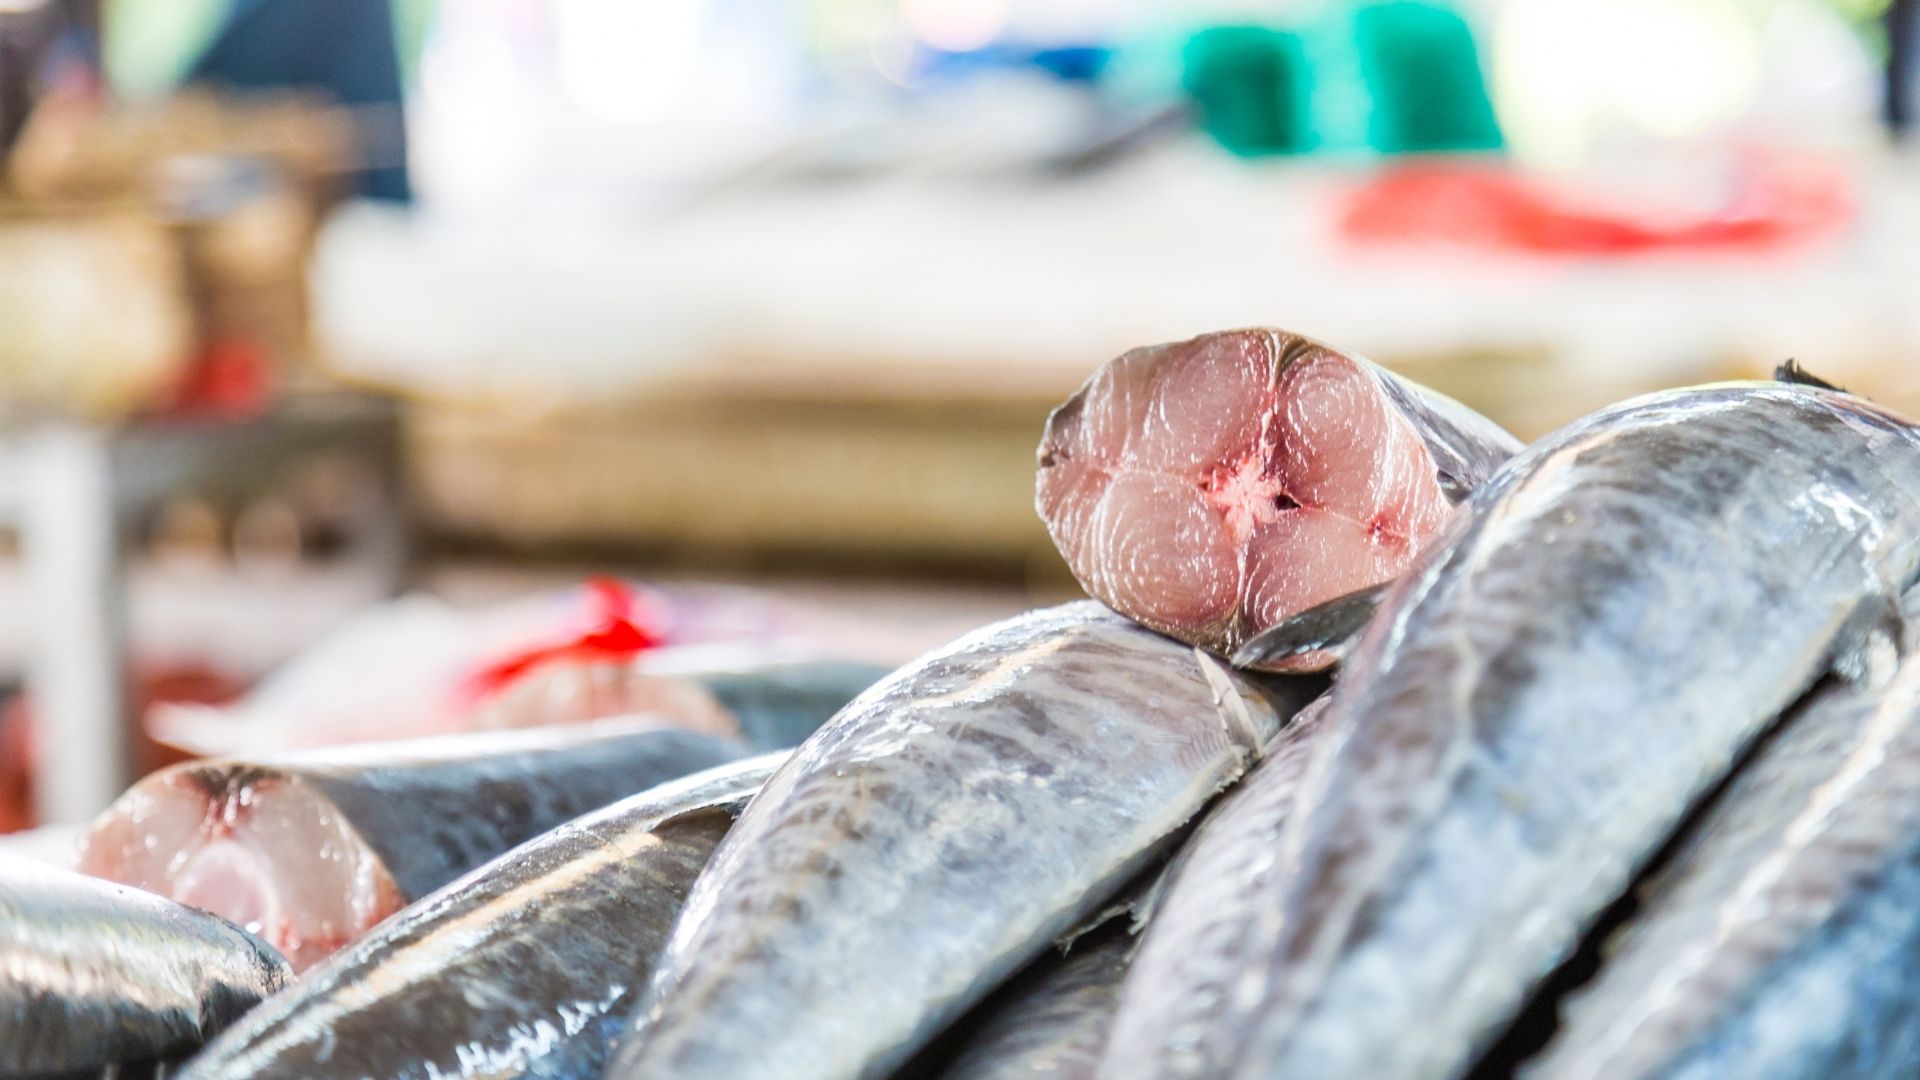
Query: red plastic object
[(1774, 202), (232, 379), (623, 626)]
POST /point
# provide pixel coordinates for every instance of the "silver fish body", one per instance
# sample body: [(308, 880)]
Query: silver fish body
[(526, 967), (94, 974), (1210, 909), (1050, 1022), (1781, 939), (935, 837), (1579, 657)]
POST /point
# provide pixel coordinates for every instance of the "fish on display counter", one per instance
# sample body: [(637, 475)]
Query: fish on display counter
[(1214, 488), (526, 967), (310, 850), (95, 975), (1583, 654), (935, 837), (1781, 939)]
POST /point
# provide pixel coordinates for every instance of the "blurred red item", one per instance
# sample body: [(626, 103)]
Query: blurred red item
[(1774, 202), (622, 626), (233, 379), (180, 685)]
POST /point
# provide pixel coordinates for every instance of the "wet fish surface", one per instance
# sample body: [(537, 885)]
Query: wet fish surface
[(310, 850), (1051, 1021), (1213, 488), (934, 837), (1585, 652), (1226, 881), (94, 974), (1781, 940), (526, 967)]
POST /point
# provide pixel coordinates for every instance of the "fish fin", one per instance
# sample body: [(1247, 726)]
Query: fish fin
[(1790, 371), (1870, 645), (1455, 489), (1330, 627), (1233, 708)]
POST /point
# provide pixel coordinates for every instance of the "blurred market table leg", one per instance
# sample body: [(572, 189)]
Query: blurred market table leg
[(75, 658)]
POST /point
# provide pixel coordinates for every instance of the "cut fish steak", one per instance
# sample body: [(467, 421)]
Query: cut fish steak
[(936, 836), (1584, 653), (95, 975), (526, 967), (310, 850), (1215, 487)]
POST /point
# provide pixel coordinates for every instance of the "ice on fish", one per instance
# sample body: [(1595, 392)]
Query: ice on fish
[(310, 850), (1215, 487)]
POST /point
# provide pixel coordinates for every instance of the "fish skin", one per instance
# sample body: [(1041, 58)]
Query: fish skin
[(94, 974), (1209, 910), (935, 837), (1051, 1021), (1583, 653), (424, 811), (1781, 939), (525, 967)]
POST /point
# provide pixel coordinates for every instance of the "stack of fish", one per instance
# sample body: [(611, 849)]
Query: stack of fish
[(1617, 775)]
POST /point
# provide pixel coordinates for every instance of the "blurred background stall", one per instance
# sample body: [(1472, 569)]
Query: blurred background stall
[(306, 308)]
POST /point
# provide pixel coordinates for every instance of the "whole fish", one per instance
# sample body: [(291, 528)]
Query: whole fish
[(94, 975), (1051, 1021), (1214, 488), (1781, 940), (526, 967), (933, 838), (1585, 652), (1209, 911), (310, 850)]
